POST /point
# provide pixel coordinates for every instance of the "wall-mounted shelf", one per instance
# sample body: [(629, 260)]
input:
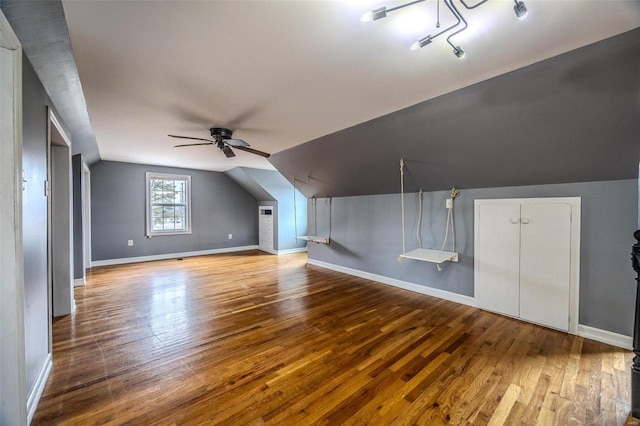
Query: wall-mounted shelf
[(314, 238), (430, 255)]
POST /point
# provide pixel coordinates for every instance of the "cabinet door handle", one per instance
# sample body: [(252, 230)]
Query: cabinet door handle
[(515, 220), (525, 221)]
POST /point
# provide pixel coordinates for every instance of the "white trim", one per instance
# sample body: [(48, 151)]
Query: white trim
[(13, 399), (79, 282), (125, 260), (574, 285), (59, 128), (292, 250), (86, 216), (429, 291), (287, 251), (60, 218), (155, 175), (38, 388), (604, 336)]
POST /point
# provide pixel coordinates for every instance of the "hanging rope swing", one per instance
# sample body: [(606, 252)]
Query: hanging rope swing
[(423, 254), (327, 216)]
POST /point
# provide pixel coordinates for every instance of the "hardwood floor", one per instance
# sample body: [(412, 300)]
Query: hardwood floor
[(249, 338)]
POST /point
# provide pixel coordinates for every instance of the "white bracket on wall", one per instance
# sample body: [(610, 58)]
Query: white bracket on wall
[(315, 239)]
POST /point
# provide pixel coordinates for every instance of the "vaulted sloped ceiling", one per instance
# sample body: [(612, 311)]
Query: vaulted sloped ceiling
[(571, 118), (42, 30)]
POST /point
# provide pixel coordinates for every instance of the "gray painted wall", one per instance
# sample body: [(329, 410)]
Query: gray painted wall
[(219, 207), (282, 191), (34, 216), (366, 236), (240, 176), (576, 114), (78, 233)]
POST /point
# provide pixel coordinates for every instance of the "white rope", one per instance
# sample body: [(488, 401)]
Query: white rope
[(327, 215), (446, 229), (450, 223), (295, 215), (419, 219), (402, 201)]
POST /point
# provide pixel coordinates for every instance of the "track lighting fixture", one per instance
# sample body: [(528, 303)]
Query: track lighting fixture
[(374, 15), (380, 13), (520, 10), (421, 43)]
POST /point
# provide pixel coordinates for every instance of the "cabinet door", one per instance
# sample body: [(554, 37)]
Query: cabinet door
[(545, 260), (498, 258), (265, 232)]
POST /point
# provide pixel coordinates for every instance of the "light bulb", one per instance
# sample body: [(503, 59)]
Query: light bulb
[(421, 43), (374, 15)]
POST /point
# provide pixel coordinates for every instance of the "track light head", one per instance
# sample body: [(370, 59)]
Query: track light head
[(458, 52), (521, 10), (374, 15), (421, 43)]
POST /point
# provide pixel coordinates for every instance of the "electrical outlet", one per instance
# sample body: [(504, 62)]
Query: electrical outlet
[(230, 236), (130, 243)]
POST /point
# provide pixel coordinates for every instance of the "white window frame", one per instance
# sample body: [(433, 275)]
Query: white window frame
[(187, 179)]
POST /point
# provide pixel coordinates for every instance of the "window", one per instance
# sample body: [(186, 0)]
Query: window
[(168, 204)]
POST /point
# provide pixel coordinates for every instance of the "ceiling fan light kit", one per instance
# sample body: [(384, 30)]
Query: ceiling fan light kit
[(520, 10), (222, 138)]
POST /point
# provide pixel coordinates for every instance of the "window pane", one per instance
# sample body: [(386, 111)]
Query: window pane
[(180, 198), (168, 204), (180, 217)]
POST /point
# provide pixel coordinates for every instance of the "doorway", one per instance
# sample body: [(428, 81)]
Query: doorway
[(60, 220), (13, 391)]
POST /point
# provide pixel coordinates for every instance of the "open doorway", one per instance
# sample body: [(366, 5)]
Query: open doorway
[(60, 220), (86, 217), (81, 177)]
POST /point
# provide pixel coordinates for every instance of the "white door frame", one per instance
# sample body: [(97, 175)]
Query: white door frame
[(13, 392), (60, 232), (86, 217), (574, 290)]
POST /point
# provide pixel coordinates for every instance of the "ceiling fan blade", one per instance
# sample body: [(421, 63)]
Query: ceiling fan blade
[(235, 142), (252, 151), (189, 137), (193, 144), (227, 151)]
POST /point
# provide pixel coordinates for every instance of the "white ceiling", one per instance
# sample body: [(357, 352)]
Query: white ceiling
[(281, 73)]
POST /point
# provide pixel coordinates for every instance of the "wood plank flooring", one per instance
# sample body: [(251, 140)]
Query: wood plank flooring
[(255, 339)]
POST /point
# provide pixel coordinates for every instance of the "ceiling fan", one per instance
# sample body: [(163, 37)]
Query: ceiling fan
[(221, 137)]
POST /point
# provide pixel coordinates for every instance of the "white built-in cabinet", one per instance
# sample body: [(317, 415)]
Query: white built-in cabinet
[(265, 228), (527, 257)]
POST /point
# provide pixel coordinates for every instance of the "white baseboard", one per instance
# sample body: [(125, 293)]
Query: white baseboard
[(287, 251), (429, 291), (608, 337), (38, 388), (125, 260), (79, 282), (293, 250)]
